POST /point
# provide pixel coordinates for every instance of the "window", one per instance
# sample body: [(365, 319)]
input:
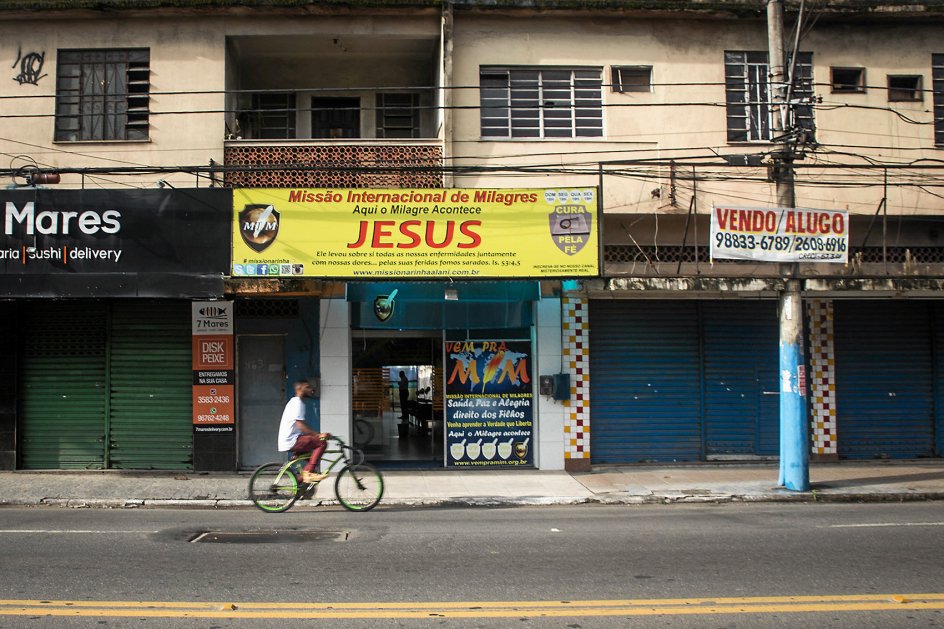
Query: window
[(847, 80), (398, 115), (746, 76), (541, 102), (102, 95), (336, 117), (272, 116), (937, 79), (631, 78), (904, 88)]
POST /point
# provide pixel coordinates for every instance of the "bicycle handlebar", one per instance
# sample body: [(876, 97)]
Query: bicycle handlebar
[(355, 454)]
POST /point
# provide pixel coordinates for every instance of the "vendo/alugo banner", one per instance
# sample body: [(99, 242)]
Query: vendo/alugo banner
[(360, 233), (779, 234), (489, 403)]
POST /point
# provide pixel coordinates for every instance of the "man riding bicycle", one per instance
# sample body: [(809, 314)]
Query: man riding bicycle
[(296, 436)]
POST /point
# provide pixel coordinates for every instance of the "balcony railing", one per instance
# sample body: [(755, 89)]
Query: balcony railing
[(334, 164)]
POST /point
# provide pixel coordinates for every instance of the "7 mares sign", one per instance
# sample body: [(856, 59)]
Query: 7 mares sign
[(114, 243), (779, 234), (416, 233), (489, 403)]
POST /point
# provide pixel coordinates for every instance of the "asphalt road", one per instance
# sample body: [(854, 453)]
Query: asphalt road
[(770, 565)]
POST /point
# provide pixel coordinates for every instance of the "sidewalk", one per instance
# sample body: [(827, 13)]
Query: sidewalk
[(847, 481)]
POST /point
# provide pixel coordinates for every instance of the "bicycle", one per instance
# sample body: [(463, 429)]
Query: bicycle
[(274, 487), (363, 432)]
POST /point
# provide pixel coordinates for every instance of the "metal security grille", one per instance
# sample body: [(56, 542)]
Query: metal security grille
[(106, 385), (103, 94), (150, 423), (645, 389), (622, 254), (541, 102), (937, 74), (398, 115), (272, 117), (884, 379), (740, 357), (64, 380), (266, 309), (746, 75)]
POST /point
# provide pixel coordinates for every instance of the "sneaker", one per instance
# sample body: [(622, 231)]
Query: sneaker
[(312, 477)]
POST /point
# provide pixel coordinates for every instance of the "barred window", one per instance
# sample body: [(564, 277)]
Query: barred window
[(937, 76), (272, 116), (103, 94), (530, 102), (398, 115), (747, 91)]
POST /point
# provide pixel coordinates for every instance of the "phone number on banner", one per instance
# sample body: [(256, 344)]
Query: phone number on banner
[(783, 247)]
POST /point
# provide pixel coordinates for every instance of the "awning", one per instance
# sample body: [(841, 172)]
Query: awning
[(500, 292), (443, 305)]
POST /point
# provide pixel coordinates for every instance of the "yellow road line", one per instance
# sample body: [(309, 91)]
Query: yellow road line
[(485, 609)]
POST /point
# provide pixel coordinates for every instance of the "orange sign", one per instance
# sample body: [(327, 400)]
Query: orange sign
[(212, 352), (213, 360), (213, 404)]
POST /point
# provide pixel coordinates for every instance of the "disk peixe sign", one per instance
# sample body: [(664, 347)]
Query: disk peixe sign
[(156, 243), (213, 357)]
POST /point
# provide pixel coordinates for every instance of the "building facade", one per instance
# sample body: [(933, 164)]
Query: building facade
[(667, 113)]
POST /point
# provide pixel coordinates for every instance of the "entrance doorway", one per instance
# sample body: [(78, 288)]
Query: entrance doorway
[(261, 397), (389, 429)]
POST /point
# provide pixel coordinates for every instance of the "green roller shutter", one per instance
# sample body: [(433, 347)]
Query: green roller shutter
[(151, 378), (63, 386)]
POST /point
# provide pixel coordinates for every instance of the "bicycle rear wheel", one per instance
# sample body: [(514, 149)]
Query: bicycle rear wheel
[(272, 488), (359, 487)]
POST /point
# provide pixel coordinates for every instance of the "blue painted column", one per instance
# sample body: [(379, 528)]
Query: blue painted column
[(794, 427)]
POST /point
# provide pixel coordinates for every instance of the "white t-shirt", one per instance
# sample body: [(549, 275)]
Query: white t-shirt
[(288, 433)]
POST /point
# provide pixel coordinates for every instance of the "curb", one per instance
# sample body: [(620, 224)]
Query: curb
[(490, 501)]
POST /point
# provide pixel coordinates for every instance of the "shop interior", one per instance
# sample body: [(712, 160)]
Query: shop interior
[(392, 430)]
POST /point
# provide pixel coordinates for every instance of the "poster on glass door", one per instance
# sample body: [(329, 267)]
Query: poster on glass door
[(489, 404)]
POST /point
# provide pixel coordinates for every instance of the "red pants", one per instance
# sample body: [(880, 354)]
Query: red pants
[(308, 443)]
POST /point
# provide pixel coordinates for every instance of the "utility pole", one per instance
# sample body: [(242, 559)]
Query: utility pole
[(794, 428)]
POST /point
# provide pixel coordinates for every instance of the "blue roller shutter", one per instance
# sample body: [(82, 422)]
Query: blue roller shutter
[(884, 379), (645, 392), (937, 331), (740, 346)]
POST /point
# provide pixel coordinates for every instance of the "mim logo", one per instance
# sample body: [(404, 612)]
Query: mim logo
[(259, 225)]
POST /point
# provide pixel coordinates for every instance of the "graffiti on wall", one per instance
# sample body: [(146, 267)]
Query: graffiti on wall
[(31, 67)]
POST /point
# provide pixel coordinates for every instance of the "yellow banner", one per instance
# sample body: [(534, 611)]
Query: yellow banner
[(434, 233)]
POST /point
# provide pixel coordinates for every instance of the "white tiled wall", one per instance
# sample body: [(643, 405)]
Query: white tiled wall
[(549, 412), (335, 349)]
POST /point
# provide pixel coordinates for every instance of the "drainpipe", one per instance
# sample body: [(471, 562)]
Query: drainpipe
[(446, 87)]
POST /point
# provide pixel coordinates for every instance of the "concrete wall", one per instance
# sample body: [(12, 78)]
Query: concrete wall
[(688, 67), (684, 115), (189, 76)]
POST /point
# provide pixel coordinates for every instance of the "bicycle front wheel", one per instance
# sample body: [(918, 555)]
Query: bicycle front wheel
[(273, 488), (359, 487)]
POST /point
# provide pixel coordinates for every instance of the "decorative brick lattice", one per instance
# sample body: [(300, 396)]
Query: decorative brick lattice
[(576, 347), (426, 159), (822, 378)]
